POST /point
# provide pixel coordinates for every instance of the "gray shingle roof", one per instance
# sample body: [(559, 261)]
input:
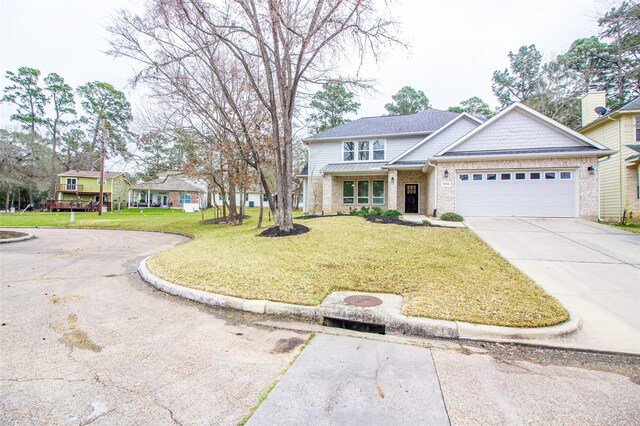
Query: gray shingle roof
[(520, 151), (426, 121), (89, 174), (353, 167), (171, 183), (635, 147), (633, 105)]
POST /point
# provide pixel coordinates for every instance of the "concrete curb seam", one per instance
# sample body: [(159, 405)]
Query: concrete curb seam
[(416, 326)]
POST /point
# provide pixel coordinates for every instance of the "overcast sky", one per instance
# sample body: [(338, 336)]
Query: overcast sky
[(455, 45)]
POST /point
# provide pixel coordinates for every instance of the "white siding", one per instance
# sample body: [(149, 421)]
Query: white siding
[(441, 140), (323, 153), (516, 130)]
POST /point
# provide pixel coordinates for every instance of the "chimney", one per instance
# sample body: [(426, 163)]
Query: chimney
[(592, 100)]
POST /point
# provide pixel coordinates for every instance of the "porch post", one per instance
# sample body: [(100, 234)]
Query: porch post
[(148, 198), (327, 193), (129, 199), (392, 193)]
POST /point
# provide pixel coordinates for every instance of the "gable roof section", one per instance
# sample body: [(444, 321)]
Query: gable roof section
[(434, 135), (581, 141), (89, 174), (426, 121)]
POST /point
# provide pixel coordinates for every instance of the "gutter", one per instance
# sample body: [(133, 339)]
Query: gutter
[(597, 153)]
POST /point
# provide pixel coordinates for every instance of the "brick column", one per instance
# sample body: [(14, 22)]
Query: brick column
[(327, 193), (392, 193)]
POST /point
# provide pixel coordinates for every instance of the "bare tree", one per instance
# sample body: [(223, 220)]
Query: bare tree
[(277, 45)]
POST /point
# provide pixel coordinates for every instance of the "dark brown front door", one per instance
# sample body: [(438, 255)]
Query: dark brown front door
[(411, 198)]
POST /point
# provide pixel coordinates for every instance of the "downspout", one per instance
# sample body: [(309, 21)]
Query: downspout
[(435, 185)]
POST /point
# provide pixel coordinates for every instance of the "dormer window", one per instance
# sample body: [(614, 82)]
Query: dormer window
[(371, 150)]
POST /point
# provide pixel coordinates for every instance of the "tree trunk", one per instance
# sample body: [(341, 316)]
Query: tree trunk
[(261, 214)]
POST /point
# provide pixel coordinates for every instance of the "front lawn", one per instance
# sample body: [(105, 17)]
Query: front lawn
[(629, 226), (442, 273)]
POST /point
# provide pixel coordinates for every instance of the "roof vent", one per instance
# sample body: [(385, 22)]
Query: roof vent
[(601, 111)]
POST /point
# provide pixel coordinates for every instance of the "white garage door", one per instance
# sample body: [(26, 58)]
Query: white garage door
[(532, 193)]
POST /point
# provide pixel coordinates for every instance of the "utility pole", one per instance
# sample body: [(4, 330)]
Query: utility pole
[(102, 170)]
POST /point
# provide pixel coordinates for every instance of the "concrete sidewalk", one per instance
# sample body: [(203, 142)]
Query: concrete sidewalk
[(592, 269), (341, 380)]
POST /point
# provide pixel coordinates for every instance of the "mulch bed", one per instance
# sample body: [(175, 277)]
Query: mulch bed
[(274, 231), (5, 235), (375, 219), (220, 220), (392, 219)]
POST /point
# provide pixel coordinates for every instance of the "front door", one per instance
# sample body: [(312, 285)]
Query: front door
[(411, 198)]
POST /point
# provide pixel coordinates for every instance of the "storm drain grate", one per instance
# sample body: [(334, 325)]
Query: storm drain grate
[(354, 325)]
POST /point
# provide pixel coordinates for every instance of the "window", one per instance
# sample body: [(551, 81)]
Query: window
[(549, 175), (565, 175), (219, 197), (378, 192), (347, 192), (477, 176), (265, 198), (363, 150), (71, 183), (638, 128), (185, 198), (505, 176), (363, 192), (463, 177), (378, 150), (534, 175), (521, 176), (491, 176), (104, 182), (348, 149), (246, 196)]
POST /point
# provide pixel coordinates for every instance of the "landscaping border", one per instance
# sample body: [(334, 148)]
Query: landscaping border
[(395, 323)]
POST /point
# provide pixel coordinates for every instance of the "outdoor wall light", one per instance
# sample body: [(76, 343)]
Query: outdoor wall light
[(393, 179), (591, 170), (446, 173)]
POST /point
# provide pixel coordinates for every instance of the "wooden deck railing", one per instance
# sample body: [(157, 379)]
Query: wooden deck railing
[(65, 205), (61, 187)]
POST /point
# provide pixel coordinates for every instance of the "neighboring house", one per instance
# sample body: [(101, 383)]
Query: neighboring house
[(169, 190), (518, 163), (80, 190), (251, 197), (618, 130)]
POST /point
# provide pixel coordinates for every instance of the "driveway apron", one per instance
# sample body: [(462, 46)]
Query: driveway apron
[(592, 269)]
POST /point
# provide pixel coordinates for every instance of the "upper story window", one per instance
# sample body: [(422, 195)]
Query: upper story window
[(363, 150), (373, 150), (348, 149), (71, 183), (638, 128)]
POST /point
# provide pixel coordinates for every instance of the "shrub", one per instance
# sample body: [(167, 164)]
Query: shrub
[(451, 217), (375, 211), (391, 213)]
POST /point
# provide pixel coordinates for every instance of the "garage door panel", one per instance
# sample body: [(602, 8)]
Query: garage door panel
[(534, 198)]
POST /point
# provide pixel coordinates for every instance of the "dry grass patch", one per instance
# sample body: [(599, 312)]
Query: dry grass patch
[(442, 273)]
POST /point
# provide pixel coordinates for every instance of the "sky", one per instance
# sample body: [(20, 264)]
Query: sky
[(454, 45)]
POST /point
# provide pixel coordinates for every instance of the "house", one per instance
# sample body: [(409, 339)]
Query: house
[(171, 189), (252, 197), (518, 163), (80, 190), (618, 130)]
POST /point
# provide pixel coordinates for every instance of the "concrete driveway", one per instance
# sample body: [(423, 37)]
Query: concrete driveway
[(83, 339), (592, 269)]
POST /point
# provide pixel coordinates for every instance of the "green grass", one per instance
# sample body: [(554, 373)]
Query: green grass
[(630, 227), (442, 273)]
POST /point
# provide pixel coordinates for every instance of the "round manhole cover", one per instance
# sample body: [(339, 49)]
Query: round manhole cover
[(363, 301)]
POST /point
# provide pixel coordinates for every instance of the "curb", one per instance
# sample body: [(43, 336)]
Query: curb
[(15, 240), (398, 323)]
